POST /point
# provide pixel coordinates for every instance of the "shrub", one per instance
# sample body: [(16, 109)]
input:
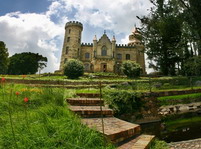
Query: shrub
[(74, 69), (158, 144), (123, 101), (131, 69)]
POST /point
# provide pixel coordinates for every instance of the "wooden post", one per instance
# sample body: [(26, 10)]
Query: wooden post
[(100, 87), (150, 84)]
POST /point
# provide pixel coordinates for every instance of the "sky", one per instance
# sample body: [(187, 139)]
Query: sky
[(38, 25)]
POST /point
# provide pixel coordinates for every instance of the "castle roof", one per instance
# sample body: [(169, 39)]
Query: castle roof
[(104, 36)]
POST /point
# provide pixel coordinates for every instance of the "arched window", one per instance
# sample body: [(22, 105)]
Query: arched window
[(119, 56), (104, 51), (128, 57), (69, 31), (87, 55)]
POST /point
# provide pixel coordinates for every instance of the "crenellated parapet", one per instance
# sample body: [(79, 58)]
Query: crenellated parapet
[(125, 46), (74, 23), (87, 44), (128, 45)]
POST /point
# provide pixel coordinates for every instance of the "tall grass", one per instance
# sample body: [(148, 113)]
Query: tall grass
[(48, 122)]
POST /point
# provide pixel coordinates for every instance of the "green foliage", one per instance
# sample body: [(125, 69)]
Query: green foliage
[(158, 144), (26, 63), (73, 69), (123, 101), (3, 58), (179, 99), (162, 30), (131, 69), (192, 67)]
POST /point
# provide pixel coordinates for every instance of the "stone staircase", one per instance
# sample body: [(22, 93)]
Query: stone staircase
[(124, 134)]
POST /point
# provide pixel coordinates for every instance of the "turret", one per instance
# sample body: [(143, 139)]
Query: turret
[(94, 46), (114, 46), (72, 42), (135, 37)]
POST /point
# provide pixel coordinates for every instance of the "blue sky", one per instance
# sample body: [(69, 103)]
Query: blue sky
[(38, 25), (24, 6)]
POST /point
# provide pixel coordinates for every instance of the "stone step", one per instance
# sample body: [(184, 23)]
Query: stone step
[(92, 111), (85, 101), (88, 95), (140, 142), (115, 129)]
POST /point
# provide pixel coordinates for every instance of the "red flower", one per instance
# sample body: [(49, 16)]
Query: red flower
[(17, 93), (3, 79), (26, 99)]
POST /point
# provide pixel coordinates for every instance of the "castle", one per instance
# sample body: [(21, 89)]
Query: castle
[(103, 55)]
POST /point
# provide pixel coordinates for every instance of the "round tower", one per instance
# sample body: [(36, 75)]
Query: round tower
[(72, 42)]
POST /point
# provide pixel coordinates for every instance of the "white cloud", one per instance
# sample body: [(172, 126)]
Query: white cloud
[(31, 32), (118, 15), (43, 33)]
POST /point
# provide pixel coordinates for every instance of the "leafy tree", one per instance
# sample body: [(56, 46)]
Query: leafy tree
[(131, 69), (26, 63), (162, 31), (192, 66), (192, 13), (3, 58), (73, 69)]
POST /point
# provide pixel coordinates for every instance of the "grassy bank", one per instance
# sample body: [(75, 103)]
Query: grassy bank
[(179, 99), (42, 120)]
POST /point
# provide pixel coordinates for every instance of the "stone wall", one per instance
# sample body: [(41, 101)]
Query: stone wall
[(179, 108)]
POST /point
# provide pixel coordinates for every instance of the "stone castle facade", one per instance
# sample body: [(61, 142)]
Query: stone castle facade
[(103, 55)]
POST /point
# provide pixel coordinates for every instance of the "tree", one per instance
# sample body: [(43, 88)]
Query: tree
[(162, 31), (73, 69), (26, 63), (192, 13), (131, 69), (193, 66), (3, 58)]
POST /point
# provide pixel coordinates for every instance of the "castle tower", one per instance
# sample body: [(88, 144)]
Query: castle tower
[(72, 42), (135, 37)]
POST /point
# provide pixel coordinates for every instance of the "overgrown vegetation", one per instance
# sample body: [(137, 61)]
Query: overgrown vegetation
[(179, 99), (123, 101), (42, 120)]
